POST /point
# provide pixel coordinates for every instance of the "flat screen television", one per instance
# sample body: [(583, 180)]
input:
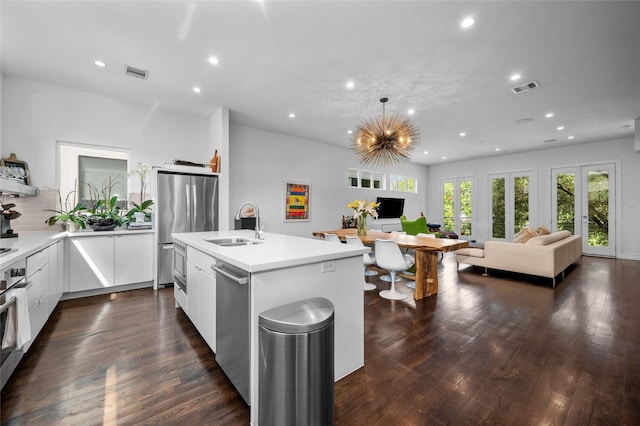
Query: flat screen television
[(390, 208)]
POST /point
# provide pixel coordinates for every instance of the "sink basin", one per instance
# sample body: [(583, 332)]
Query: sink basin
[(232, 241)]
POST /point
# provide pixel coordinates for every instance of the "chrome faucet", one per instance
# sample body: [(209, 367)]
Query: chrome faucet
[(258, 230)]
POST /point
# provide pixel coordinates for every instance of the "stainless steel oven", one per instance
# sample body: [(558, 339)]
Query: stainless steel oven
[(12, 278), (180, 266)]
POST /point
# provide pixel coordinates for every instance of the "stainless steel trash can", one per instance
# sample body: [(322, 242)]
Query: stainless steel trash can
[(296, 375)]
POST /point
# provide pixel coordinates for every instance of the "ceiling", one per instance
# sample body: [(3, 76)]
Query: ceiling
[(282, 57)]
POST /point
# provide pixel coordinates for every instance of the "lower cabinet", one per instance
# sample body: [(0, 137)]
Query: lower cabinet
[(91, 263), (44, 288), (97, 262), (201, 295)]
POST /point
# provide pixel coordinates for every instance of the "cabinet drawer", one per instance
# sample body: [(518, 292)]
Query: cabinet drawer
[(201, 260), (180, 297), (37, 261), (38, 286)]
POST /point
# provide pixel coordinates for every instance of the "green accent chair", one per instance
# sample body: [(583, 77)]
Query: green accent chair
[(414, 227)]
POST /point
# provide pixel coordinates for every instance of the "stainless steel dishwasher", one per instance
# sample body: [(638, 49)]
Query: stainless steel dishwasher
[(232, 324)]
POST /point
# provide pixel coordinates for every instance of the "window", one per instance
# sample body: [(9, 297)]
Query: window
[(364, 179), (403, 184), (511, 207), (84, 166), (457, 205)]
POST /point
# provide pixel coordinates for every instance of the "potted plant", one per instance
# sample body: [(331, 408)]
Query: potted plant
[(140, 211), (105, 215), (72, 219)]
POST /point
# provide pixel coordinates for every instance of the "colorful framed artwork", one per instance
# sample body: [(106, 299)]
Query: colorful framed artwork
[(296, 201)]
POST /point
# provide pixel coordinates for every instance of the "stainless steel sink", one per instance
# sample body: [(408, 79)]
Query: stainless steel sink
[(232, 241)]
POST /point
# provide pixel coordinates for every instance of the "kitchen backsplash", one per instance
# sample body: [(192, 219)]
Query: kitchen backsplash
[(33, 217)]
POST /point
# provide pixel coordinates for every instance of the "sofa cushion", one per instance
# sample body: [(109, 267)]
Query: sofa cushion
[(543, 240), (470, 251), (524, 235), (541, 230)]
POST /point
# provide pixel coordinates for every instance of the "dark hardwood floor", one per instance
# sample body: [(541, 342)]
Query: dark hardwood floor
[(503, 349)]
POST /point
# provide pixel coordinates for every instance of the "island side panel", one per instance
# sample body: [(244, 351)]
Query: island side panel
[(343, 287)]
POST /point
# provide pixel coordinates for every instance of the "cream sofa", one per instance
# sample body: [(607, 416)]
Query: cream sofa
[(544, 256)]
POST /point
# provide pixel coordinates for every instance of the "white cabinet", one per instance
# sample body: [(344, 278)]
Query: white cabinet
[(133, 258), (43, 268), (56, 274), (91, 263), (97, 262), (192, 293), (207, 307), (201, 295)]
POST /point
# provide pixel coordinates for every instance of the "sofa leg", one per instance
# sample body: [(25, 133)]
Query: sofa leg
[(486, 274), (457, 266), (554, 282)]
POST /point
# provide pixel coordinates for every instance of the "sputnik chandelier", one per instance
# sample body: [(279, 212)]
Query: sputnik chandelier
[(385, 140)]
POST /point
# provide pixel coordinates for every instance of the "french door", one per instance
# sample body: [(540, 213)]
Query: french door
[(584, 203), (512, 196)]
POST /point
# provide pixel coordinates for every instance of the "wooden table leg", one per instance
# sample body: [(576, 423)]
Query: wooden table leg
[(426, 273)]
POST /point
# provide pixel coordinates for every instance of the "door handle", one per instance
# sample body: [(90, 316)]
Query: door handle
[(239, 280)]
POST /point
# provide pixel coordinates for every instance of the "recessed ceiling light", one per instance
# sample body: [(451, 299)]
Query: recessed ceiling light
[(197, 90), (350, 85), (213, 60), (571, 137), (497, 149), (515, 77), (350, 132), (100, 64), (292, 115), (426, 152), (467, 22), (463, 134), (560, 128), (548, 115), (411, 111)]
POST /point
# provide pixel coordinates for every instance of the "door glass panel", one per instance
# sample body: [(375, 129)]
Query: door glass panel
[(498, 208), (448, 206), (598, 189), (521, 203), (565, 202), (465, 207)]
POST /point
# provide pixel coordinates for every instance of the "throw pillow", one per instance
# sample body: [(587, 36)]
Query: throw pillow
[(524, 235), (541, 230)]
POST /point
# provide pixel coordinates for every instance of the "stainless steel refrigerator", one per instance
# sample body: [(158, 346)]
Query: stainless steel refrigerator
[(184, 203)]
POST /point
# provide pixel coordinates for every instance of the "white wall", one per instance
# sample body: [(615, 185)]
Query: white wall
[(36, 114), (261, 161), (541, 162)]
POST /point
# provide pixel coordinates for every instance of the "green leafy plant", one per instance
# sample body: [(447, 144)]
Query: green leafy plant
[(143, 207), (105, 209), (69, 211)]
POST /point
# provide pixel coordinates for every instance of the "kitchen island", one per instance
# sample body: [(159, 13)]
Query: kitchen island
[(281, 269)]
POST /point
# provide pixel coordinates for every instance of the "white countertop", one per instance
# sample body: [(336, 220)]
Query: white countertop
[(274, 252), (29, 242)]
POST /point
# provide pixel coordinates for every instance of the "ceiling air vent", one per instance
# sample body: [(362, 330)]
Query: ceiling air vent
[(136, 72), (526, 87)]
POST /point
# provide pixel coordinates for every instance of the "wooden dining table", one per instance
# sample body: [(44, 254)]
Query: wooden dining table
[(427, 250)]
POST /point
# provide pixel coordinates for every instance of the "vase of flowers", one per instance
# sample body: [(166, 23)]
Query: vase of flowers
[(361, 210)]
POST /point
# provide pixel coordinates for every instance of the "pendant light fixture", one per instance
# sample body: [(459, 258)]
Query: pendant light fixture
[(385, 140)]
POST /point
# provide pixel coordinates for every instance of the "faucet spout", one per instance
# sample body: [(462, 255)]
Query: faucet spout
[(258, 234)]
